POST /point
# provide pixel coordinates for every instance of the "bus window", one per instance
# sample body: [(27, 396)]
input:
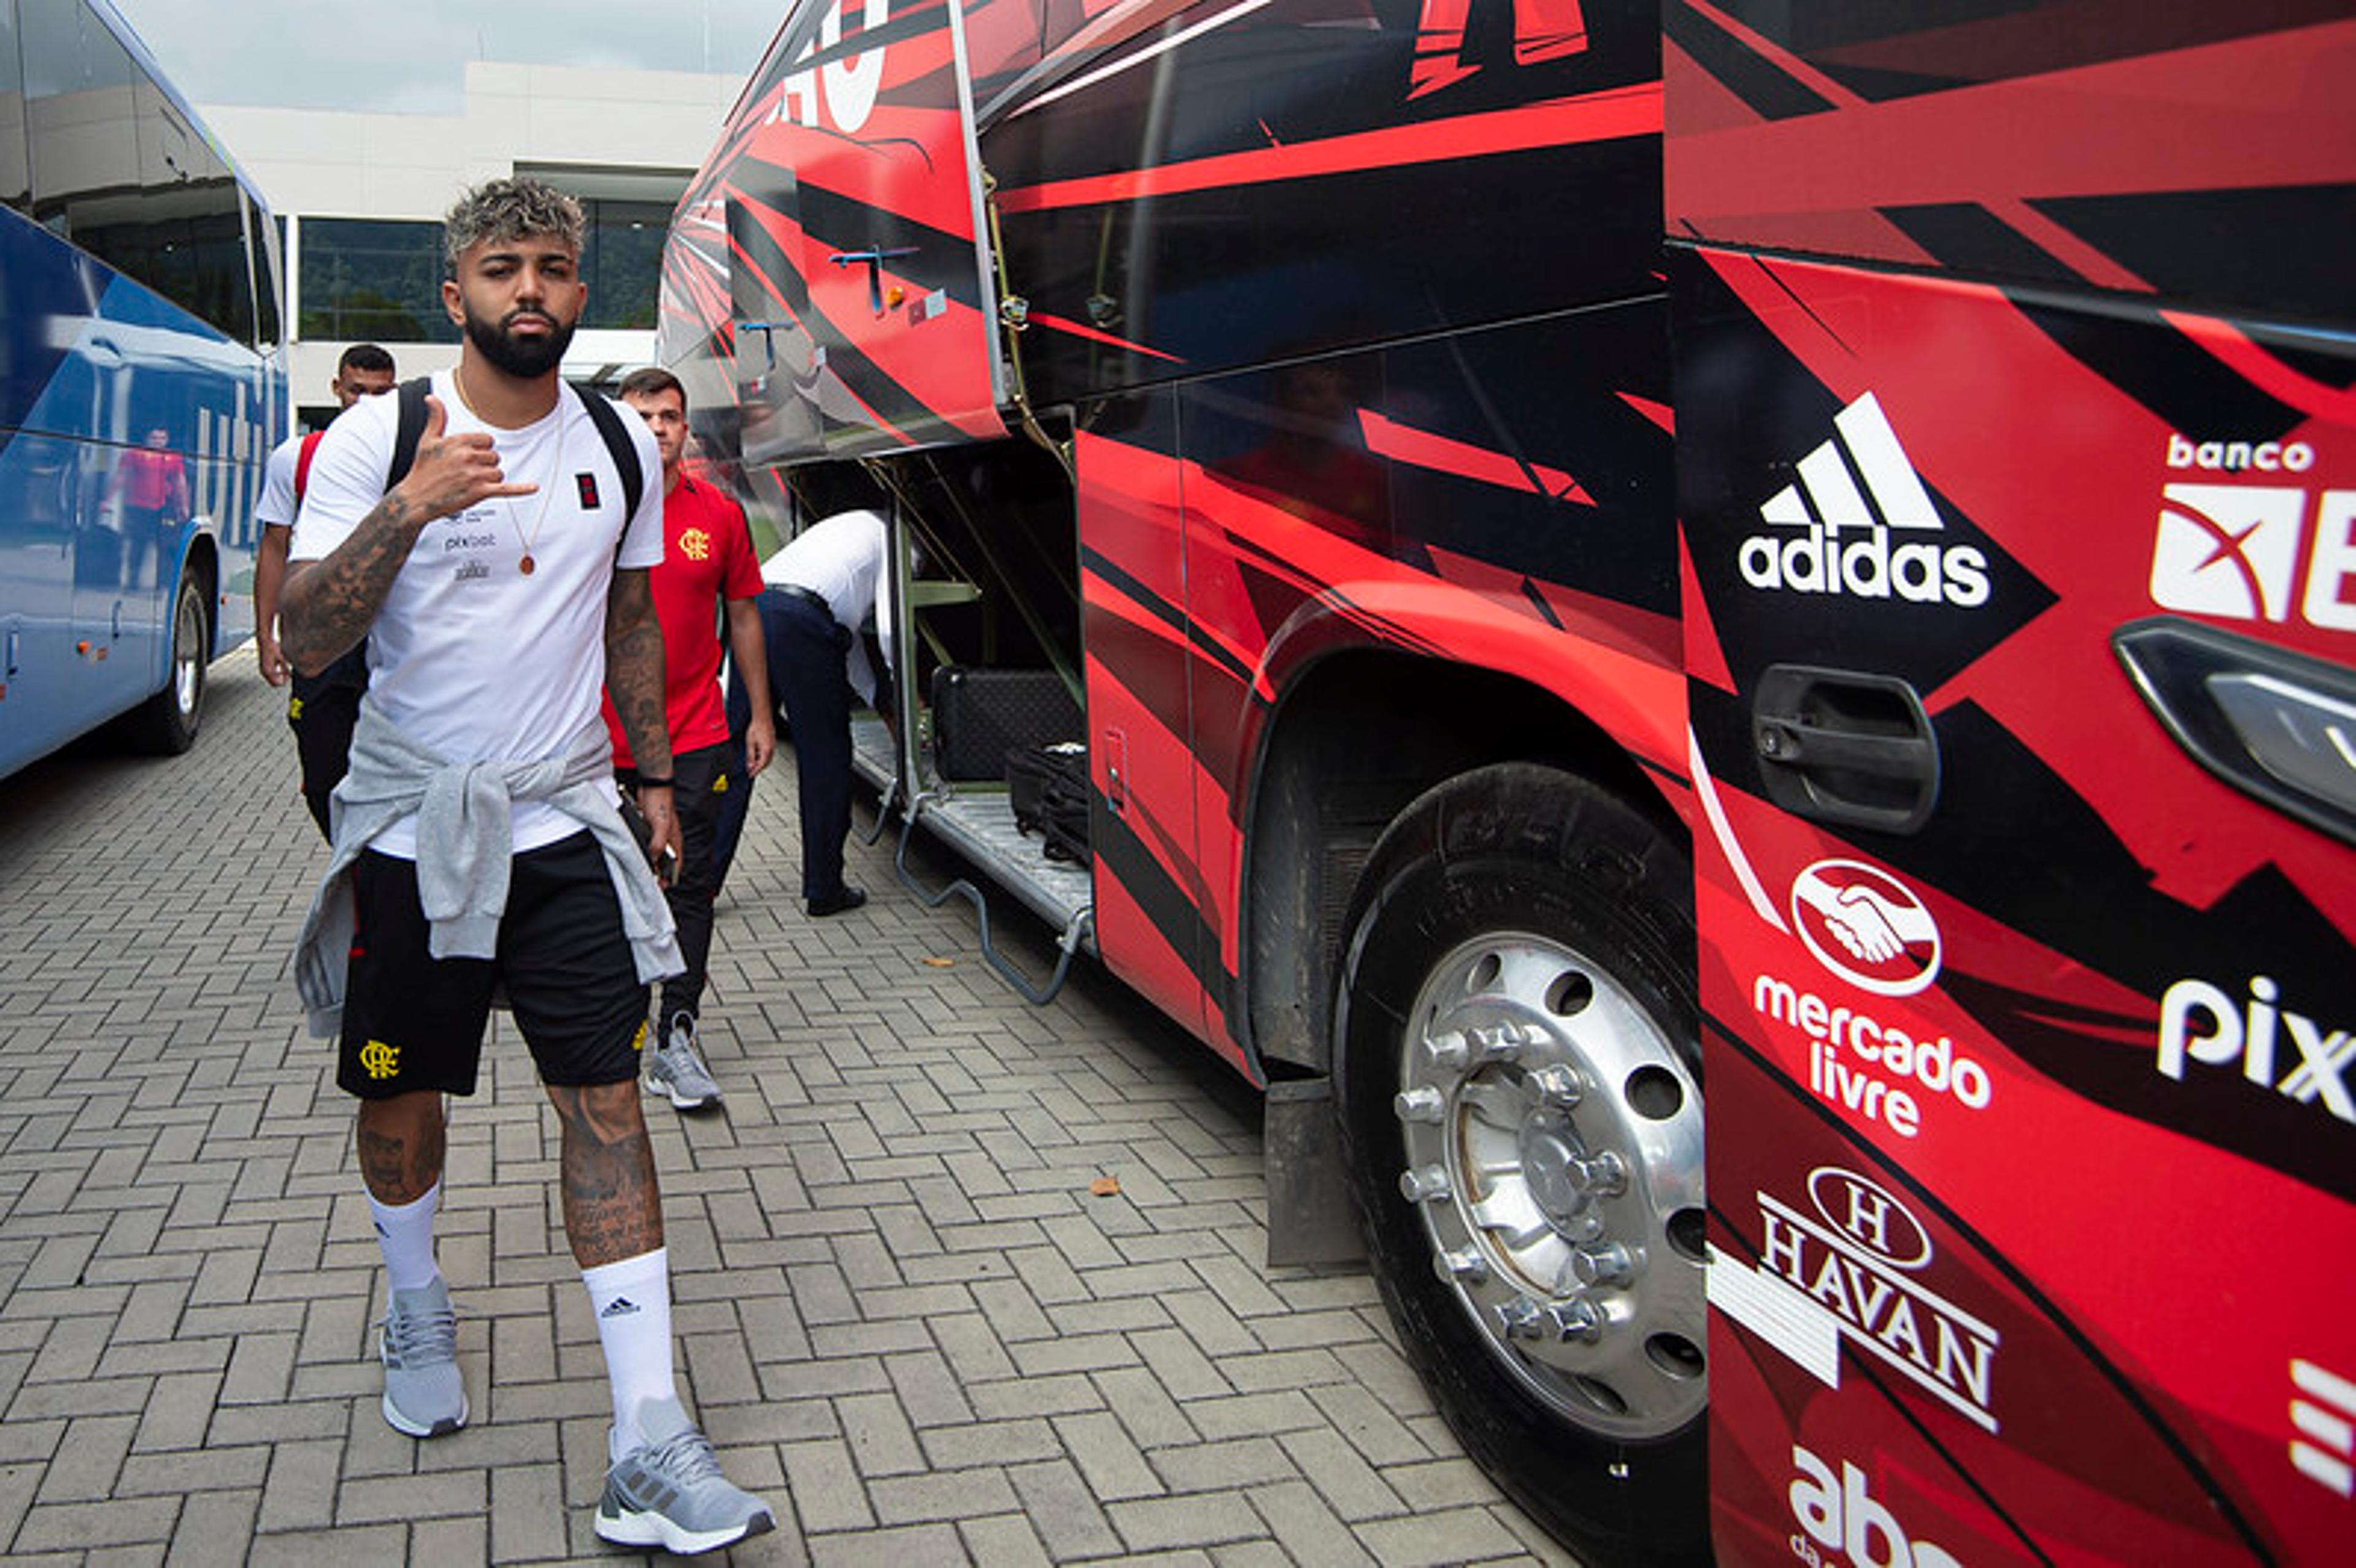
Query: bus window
[(119, 170), (79, 111), (268, 272)]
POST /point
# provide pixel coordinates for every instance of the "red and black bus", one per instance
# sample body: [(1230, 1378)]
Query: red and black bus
[(1795, 555)]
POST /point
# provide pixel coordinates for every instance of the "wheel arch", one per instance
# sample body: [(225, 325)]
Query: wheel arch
[(1353, 739), (202, 562)]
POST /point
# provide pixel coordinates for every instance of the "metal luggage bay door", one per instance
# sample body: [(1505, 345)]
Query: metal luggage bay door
[(865, 314)]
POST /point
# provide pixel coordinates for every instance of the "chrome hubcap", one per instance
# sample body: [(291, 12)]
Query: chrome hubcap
[(1554, 1145), (186, 659)]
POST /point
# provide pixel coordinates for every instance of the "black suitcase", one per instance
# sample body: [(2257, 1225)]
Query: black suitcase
[(981, 715), (1048, 788)]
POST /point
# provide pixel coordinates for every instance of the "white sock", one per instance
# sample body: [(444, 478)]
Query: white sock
[(631, 1300), (405, 1233)]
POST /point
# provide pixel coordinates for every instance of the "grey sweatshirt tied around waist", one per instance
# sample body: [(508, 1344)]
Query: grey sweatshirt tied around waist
[(464, 846)]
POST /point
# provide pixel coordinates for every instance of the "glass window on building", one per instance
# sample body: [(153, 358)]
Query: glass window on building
[(622, 263), (15, 173), (372, 280)]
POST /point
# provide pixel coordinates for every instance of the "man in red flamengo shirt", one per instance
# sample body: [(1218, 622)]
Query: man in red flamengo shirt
[(708, 566)]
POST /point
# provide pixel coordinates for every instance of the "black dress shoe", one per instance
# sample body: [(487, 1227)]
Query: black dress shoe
[(849, 898)]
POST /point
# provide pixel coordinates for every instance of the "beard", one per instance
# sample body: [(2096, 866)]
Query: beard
[(527, 359)]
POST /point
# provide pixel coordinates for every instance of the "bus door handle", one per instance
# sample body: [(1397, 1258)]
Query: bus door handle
[(1845, 747)]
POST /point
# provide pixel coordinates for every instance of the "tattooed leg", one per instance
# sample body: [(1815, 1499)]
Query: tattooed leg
[(401, 1145), (611, 1210)]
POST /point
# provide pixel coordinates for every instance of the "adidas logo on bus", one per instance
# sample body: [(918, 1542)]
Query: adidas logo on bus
[(1847, 546)]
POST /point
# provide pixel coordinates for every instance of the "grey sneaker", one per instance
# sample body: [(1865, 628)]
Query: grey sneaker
[(677, 1068), (671, 1493), (423, 1394)]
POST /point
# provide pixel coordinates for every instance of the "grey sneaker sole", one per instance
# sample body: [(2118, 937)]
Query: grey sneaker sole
[(408, 1428), (663, 1087), (628, 1527)]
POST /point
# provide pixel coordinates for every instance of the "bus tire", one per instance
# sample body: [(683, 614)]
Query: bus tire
[(1517, 1076), (165, 724)]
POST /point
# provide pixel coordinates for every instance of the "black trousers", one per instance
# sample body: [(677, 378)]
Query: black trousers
[(704, 778), (321, 710), (808, 652)]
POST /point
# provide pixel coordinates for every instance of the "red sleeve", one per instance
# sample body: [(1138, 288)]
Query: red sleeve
[(741, 577)]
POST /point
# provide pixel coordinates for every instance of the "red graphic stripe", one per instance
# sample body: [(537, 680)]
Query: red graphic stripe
[(1405, 443), (1598, 117), (1782, 59), (1059, 324), (2175, 121), (1659, 413), (2235, 350)]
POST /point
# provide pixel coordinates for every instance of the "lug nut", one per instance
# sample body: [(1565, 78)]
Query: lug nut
[(1604, 1176), (1607, 1264), (1557, 1085), (1503, 1043), (1425, 1184), (1578, 1318), (1521, 1319), (1467, 1264), (1449, 1053), (1420, 1106)]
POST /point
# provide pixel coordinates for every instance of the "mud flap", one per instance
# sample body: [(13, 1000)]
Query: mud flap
[(1310, 1219)]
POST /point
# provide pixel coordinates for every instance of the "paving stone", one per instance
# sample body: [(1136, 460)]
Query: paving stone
[(215, 1529), (1065, 1513), (826, 1492), (1455, 1535), (1002, 1541), (1165, 1524)]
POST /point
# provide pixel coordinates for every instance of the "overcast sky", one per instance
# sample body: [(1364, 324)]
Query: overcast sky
[(410, 54)]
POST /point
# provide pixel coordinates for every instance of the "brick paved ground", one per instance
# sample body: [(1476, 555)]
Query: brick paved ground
[(901, 1311)]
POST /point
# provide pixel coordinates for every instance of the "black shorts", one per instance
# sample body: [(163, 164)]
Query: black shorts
[(414, 1023)]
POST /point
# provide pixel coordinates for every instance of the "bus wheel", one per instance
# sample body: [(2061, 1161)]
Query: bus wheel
[(165, 724), (1518, 1070)]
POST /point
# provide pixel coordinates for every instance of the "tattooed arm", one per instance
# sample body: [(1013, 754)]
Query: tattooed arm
[(633, 679), (327, 606)]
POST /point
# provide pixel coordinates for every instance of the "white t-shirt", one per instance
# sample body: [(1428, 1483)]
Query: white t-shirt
[(470, 656), (840, 560), (277, 506)]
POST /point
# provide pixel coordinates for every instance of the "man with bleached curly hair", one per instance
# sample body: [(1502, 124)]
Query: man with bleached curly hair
[(479, 843)]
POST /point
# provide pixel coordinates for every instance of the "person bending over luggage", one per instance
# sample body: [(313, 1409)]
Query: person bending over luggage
[(820, 590)]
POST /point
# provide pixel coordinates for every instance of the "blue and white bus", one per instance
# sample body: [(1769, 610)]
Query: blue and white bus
[(142, 383)]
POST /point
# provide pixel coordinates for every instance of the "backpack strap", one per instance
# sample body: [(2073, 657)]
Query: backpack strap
[(409, 431), (303, 464), (600, 409), (625, 452)]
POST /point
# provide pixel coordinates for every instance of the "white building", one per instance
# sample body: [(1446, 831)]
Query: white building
[(362, 195)]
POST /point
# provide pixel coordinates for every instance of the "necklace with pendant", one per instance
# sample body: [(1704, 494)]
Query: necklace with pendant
[(526, 565)]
